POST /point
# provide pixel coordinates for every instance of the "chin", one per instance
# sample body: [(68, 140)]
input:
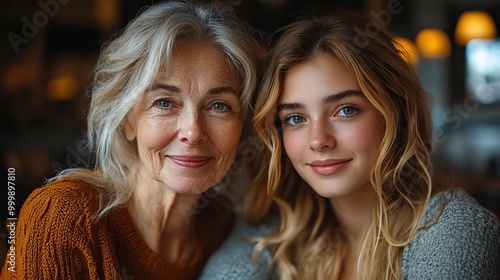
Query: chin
[(190, 189), (329, 193)]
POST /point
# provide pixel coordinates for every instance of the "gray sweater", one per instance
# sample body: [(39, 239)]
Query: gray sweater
[(463, 244)]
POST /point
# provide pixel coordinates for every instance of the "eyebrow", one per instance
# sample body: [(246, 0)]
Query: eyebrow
[(341, 95), (167, 87), (329, 99), (174, 89)]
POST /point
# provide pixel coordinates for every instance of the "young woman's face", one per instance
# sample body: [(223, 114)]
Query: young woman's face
[(331, 132), (188, 124)]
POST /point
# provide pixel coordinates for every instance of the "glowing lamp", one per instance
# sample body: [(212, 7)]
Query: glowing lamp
[(433, 43), (62, 88), (474, 25)]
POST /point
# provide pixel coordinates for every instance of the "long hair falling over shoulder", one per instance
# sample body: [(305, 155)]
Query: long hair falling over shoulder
[(132, 61), (309, 244)]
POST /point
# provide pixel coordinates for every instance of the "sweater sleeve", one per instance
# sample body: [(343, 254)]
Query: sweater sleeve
[(52, 236), (233, 259), (463, 244)]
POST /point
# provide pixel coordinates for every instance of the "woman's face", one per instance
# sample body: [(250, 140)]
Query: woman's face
[(331, 132), (188, 124)]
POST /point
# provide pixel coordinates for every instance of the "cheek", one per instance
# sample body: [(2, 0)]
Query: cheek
[(364, 141), (226, 136), (294, 143), (154, 135)]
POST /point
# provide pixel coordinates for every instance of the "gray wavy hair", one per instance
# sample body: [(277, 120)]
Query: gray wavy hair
[(131, 62)]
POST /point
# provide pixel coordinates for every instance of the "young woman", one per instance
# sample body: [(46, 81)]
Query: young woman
[(340, 105), (349, 168), (169, 100)]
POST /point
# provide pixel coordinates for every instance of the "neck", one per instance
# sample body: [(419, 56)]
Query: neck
[(164, 219), (354, 212)]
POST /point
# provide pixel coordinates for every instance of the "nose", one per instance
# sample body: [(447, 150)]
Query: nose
[(191, 127), (321, 136)]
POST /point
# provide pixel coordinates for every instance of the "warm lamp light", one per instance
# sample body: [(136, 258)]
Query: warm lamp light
[(62, 88), (107, 14), (408, 50), (433, 43), (474, 25)]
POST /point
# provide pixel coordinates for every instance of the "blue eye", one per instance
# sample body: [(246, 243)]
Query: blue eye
[(294, 120), (347, 111), (163, 103), (220, 106)]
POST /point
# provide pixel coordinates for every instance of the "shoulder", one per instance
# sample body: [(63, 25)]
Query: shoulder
[(461, 239), (67, 188), (457, 211), (61, 201), (55, 226), (233, 259), (70, 192)]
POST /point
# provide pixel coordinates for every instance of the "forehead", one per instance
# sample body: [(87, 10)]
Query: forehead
[(198, 59), (196, 50), (322, 75)]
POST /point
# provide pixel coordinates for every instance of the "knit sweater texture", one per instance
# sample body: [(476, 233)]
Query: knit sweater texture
[(57, 238), (464, 243)]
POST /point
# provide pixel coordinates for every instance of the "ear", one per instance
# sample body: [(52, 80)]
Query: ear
[(129, 127)]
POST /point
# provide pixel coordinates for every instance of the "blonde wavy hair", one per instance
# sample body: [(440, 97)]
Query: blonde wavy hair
[(132, 61), (309, 244)]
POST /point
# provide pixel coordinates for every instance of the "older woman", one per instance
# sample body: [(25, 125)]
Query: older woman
[(168, 105)]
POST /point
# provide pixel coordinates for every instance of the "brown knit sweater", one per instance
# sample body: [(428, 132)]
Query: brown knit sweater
[(57, 238)]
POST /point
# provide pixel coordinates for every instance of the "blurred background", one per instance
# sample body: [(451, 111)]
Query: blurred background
[(49, 48)]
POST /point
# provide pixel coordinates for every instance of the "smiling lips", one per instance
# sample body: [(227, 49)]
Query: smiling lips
[(190, 161), (328, 167)]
